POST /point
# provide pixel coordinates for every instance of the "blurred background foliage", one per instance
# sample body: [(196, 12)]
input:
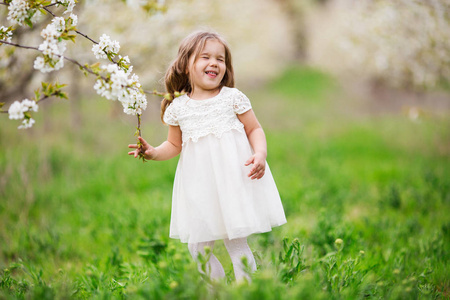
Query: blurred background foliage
[(354, 99)]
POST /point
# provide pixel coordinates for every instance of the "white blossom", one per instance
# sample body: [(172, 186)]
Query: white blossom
[(15, 111), (18, 11), (36, 16), (69, 3), (54, 50), (60, 24), (123, 86), (18, 109), (39, 63), (5, 34), (74, 19), (134, 102), (126, 59), (27, 123), (52, 47), (105, 45)]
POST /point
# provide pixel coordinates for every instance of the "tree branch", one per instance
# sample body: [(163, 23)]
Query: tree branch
[(19, 46), (84, 35), (48, 10), (64, 57), (156, 93), (53, 4), (46, 97), (42, 99)]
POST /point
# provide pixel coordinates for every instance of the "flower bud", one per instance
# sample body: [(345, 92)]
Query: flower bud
[(173, 285), (339, 243)]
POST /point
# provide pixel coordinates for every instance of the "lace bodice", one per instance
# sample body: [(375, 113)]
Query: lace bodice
[(216, 115)]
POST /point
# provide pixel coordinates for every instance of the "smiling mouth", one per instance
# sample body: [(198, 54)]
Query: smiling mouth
[(211, 74)]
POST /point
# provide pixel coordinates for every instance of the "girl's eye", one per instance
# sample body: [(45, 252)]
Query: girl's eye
[(221, 59)]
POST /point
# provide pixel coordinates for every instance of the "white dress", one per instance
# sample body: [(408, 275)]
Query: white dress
[(213, 198)]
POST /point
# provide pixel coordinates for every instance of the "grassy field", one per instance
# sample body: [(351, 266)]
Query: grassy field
[(367, 199)]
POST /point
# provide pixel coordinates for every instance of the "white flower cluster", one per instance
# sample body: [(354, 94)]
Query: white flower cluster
[(123, 86), (119, 83), (69, 3), (53, 47), (105, 46), (18, 110), (5, 34), (18, 11)]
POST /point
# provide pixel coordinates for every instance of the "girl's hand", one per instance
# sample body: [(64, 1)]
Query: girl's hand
[(146, 149), (259, 165)]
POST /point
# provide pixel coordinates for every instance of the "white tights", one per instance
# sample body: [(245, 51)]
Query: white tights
[(237, 248)]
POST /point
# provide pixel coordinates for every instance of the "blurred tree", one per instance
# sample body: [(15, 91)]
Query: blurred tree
[(15, 71), (296, 12), (403, 44)]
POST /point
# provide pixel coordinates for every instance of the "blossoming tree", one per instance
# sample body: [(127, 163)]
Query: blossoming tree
[(115, 80), (404, 44)]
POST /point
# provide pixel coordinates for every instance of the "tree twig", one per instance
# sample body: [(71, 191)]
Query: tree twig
[(42, 99), (64, 57), (84, 35), (49, 11)]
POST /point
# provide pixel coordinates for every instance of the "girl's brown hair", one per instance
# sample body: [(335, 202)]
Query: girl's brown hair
[(176, 78)]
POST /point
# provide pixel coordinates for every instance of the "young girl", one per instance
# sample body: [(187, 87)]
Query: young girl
[(223, 187)]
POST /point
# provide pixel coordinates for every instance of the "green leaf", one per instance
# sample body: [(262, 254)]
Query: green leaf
[(28, 22), (43, 11), (63, 95), (37, 95), (59, 86)]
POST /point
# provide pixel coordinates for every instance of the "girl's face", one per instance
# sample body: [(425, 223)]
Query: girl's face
[(206, 73)]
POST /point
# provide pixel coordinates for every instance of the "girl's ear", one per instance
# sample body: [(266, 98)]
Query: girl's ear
[(187, 68)]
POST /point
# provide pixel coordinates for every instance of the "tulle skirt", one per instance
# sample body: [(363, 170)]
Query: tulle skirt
[(213, 198)]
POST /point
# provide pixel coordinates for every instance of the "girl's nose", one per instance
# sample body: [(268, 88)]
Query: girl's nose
[(213, 62)]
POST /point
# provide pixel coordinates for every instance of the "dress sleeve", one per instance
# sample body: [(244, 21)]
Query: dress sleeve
[(241, 103), (170, 116)]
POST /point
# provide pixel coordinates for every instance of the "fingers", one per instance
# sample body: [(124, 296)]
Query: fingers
[(258, 170), (135, 153), (144, 142), (256, 173), (142, 148)]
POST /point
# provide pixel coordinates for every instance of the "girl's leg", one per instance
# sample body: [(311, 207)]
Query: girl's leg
[(213, 267), (238, 248)]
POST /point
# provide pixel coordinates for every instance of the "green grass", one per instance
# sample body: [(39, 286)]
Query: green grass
[(80, 219)]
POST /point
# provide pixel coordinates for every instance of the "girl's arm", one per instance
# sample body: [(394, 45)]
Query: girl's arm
[(257, 140), (167, 150)]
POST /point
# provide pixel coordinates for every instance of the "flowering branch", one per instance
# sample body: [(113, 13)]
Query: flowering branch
[(22, 110), (89, 70), (59, 55), (114, 81)]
